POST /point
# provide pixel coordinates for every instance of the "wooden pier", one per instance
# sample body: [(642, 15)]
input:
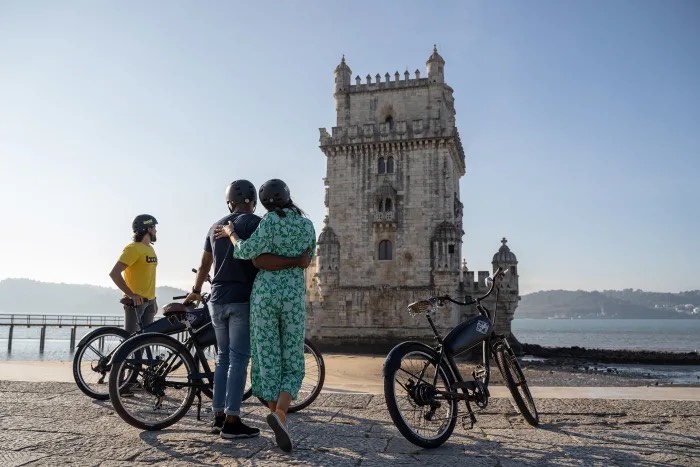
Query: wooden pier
[(58, 321)]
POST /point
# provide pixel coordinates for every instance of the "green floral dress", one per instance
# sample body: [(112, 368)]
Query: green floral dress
[(278, 305)]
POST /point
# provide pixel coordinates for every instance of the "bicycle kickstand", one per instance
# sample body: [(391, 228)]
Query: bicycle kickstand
[(199, 404), (469, 419)]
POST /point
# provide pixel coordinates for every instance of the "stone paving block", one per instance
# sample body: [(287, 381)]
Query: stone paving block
[(357, 444), (337, 457), (350, 401), (38, 387), (18, 440), (14, 458), (316, 415), (94, 447), (383, 459), (76, 461), (492, 421), (400, 445)]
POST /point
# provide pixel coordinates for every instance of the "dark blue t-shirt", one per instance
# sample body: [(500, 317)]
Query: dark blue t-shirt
[(232, 280)]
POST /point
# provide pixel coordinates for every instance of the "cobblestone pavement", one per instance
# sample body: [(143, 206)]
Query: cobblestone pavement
[(54, 424)]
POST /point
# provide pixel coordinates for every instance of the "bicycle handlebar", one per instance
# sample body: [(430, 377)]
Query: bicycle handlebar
[(208, 278), (499, 273)]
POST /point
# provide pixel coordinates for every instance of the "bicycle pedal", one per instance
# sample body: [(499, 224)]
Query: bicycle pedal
[(468, 422)]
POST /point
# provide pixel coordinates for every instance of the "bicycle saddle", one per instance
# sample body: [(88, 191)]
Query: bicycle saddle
[(175, 309)]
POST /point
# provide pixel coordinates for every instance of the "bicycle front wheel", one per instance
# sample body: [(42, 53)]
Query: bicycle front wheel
[(164, 387), (311, 385), (515, 380), (416, 401), (91, 361)]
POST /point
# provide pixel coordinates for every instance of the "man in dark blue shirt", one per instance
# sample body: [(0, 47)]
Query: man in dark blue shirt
[(231, 286)]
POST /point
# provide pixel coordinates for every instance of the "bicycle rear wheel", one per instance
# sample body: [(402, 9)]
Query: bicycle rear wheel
[(165, 387), (422, 415), (91, 361), (311, 385), (515, 381)]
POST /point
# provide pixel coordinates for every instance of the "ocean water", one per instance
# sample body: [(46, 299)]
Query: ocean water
[(681, 335), (673, 335)]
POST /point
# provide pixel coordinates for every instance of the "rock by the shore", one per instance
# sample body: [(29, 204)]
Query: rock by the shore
[(612, 356)]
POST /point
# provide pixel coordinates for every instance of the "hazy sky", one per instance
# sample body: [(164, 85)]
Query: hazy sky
[(580, 122)]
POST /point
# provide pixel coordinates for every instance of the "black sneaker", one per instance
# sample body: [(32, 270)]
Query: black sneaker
[(218, 424), (284, 441), (238, 429)]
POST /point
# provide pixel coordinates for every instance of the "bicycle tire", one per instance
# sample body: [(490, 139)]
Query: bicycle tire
[(517, 385), (120, 361), (311, 396), (430, 356), (97, 367)]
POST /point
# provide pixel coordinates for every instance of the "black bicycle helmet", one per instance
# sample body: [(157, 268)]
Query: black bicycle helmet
[(142, 222), (274, 194), (241, 191)]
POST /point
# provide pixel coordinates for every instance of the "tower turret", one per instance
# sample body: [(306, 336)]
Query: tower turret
[(436, 67), (343, 73)]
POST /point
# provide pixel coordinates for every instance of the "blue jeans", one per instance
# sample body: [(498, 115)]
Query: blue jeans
[(232, 327)]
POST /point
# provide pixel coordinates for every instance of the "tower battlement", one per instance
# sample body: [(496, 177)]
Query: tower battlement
[(398, 82)]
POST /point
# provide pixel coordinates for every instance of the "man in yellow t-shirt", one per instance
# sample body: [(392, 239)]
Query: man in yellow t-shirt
[(138, 263)]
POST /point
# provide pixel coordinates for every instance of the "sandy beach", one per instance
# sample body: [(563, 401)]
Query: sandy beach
[(362, 374)]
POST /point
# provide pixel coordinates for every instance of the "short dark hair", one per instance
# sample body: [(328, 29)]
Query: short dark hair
[(138, 236)]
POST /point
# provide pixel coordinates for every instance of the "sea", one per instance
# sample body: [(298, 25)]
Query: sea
[(676, 335)]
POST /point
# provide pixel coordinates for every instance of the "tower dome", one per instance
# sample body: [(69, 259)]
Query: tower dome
[(342, 73), (436, 67), (327, 236), (504, 255)]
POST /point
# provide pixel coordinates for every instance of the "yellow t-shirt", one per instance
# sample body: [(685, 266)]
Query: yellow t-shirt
[(140, 273)]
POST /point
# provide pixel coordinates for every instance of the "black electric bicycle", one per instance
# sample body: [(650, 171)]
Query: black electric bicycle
[(423, 384), (92, 359), (170, 375)]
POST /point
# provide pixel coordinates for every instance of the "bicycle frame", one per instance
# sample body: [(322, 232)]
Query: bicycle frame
[(479, 389)]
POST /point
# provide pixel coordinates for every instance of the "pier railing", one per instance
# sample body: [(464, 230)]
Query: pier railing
[(59, 321)]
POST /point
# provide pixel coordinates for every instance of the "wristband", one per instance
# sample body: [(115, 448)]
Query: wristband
[(196, 291)]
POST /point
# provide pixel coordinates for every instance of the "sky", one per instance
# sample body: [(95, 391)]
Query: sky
[(580, 122)]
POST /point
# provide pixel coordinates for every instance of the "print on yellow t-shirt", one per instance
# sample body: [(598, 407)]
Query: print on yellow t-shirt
[(140, 273)]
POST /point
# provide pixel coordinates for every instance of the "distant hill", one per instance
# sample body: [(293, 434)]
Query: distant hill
[(25, 296), (626, 303)]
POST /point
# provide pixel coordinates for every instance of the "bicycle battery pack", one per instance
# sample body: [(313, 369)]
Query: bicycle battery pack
[(467, 334)]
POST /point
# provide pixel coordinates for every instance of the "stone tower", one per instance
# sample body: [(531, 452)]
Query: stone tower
[(392, 233)]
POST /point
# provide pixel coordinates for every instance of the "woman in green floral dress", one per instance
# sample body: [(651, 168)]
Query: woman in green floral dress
[(278, 305)]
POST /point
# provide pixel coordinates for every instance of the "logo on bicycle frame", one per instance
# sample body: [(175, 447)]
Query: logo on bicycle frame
[(482, 327)]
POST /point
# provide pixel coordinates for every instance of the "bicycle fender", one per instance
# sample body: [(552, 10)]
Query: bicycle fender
[(87, 337), (393, 360)]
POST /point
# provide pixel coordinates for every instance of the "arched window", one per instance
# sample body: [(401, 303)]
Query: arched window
[(385, 250), (380, 206), (387, 205), (390, 120), (381, 168), (390, 165)]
